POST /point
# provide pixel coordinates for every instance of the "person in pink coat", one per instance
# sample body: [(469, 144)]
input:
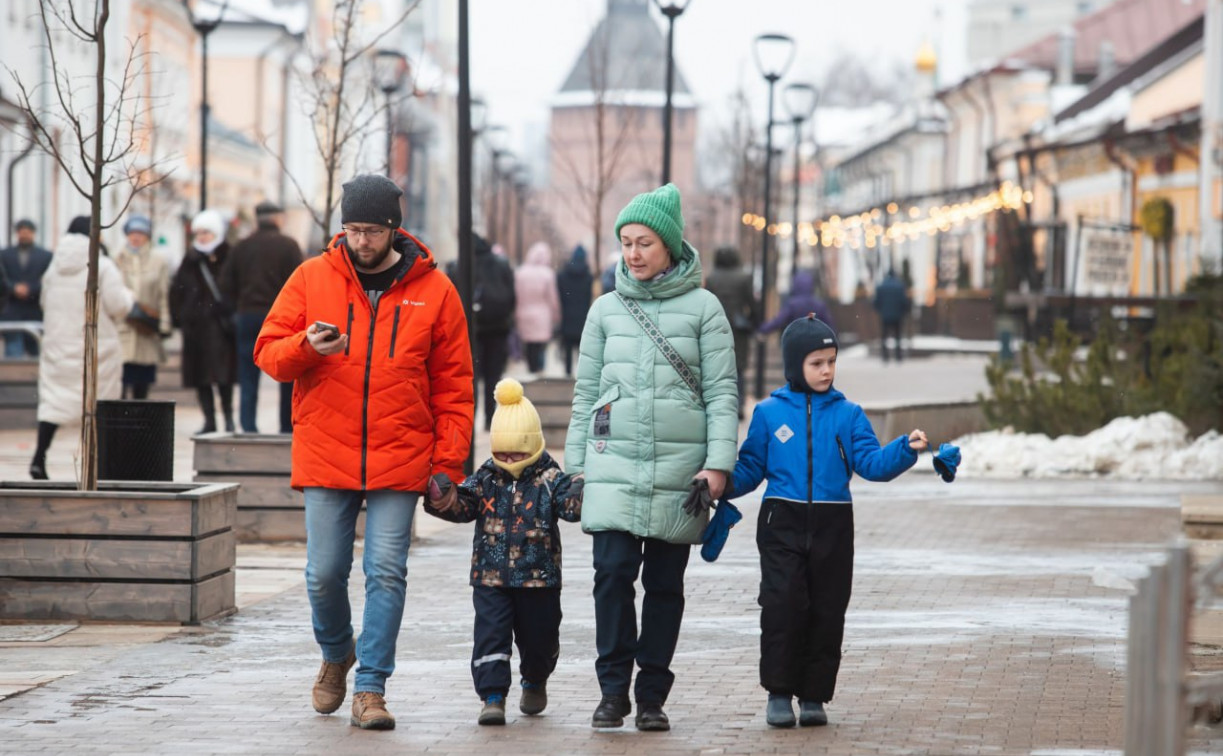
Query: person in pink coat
[(539, 309)]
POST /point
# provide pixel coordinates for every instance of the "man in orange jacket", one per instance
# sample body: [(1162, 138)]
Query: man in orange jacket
[(374, 336)]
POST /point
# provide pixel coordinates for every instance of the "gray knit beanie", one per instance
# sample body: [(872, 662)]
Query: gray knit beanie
[(370, 198)]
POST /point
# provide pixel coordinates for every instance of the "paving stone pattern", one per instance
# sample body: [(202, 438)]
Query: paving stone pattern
[(982, 622)]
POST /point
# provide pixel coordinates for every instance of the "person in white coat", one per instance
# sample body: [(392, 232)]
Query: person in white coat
[(61, 362)]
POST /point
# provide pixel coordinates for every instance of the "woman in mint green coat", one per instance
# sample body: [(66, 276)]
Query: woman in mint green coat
[(640, 434)]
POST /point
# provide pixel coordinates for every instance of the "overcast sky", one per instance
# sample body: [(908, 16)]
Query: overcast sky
[(522, 50)]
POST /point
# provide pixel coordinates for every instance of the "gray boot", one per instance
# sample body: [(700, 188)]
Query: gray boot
[(812, 714), (780, 712)]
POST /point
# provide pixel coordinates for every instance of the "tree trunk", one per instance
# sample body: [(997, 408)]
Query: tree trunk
[(89, 394)]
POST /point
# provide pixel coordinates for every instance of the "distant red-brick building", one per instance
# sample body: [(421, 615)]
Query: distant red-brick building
[(606, 131)]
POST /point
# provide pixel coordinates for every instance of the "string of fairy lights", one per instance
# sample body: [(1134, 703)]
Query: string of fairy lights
[(874, 228)]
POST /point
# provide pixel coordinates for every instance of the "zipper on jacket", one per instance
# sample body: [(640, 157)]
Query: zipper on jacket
[(369, 361), (394, 330), (348, 330), (844, 459), (810, 455)]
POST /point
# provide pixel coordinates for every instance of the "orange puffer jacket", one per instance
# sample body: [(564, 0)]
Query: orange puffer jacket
[(397, 405)]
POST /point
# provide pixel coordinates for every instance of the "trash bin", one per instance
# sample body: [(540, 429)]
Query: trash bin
[(135, 440)]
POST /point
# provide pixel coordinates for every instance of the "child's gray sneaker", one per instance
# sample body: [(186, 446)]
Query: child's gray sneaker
[(812, 714), (780, 711), (534, 697), (493, 711)]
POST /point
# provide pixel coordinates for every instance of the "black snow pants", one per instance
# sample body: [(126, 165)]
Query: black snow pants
[(806, 572)]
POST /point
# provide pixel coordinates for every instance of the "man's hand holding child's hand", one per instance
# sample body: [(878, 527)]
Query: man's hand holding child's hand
[(918, 441), (442, 493)]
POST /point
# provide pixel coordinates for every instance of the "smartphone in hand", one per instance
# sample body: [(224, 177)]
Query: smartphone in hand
[(331, 332)]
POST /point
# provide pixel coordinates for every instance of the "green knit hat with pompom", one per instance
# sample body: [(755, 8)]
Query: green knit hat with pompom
[(659, 211)]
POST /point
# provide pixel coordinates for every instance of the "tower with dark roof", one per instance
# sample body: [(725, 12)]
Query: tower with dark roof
[(619, 79)]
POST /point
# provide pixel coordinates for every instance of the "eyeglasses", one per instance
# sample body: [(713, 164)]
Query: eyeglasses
[(373, 234)]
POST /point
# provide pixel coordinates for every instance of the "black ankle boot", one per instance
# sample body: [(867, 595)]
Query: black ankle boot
[(611, 712), (38, 469)]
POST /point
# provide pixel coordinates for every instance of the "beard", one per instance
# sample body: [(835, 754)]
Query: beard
[(376, 260)]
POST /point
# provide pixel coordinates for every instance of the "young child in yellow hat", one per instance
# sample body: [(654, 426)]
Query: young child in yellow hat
[(515, 499)]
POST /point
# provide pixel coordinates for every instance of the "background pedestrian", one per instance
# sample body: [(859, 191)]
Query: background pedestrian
[(257, 268), (205, 319), (574, 285), (892, 303), (732, 285), (21, 269), (538, 311), (61, 362), (147, 275)]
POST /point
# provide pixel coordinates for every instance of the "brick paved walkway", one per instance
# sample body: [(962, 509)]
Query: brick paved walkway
[(986, 619)]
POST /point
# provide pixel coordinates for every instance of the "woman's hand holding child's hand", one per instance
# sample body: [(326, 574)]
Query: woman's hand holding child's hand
[(918, 441), (716, 480)]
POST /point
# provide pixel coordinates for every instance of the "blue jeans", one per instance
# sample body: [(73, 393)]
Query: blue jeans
[(246, 331), (19, 345), (331, 523)]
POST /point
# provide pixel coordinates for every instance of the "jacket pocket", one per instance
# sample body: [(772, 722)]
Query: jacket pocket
[(394, 332), (607, 397), (844, 459)]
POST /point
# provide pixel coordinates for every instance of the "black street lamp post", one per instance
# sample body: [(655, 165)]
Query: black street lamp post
[(204, 28), (800, 101), (465, 136), (672, 10), (774, 52), (390, 71)]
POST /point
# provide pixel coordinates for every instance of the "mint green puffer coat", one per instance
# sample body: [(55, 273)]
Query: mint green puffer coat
[(639, 465)]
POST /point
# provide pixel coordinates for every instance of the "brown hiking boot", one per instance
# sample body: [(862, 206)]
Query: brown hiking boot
[(331, 686), (369, 712)]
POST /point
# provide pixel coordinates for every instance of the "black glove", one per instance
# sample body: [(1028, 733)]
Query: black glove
[(439, 486), (699, 500), (576, 488)]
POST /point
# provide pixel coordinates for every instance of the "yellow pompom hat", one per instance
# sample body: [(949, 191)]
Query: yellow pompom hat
[(515, 427)]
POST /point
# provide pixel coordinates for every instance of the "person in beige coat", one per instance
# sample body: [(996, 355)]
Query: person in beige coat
[(147, 275)]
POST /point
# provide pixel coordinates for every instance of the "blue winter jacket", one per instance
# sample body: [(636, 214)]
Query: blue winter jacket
[(809, 445)]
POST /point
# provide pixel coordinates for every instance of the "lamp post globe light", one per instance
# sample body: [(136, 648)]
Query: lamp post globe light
[(390, 71), (800, 101), (672, 9), (774, 53)]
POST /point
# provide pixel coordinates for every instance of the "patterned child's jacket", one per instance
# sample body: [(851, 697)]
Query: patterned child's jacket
[(517, 542)]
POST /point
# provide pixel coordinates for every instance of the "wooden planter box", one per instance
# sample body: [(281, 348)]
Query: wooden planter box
[(553, 399), (129, 552), (943, 422), (269, 510), (18, 394)]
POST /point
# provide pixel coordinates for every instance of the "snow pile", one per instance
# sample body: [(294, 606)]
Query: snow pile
[(1133, 448)]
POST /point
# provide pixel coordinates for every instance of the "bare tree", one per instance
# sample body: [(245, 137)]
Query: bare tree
[(93, 131), (611, 126), (854, 82), (342, 105)]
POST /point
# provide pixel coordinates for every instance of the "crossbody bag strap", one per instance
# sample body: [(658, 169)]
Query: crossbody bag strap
[(210, 282), (668, 351)]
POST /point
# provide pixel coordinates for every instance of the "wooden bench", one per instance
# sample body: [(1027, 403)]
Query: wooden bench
[(129, 552), (269, 510)]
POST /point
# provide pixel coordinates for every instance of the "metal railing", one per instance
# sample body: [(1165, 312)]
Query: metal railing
[(1163, 697)]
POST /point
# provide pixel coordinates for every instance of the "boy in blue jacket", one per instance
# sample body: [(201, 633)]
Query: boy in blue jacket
[(807, 440), (515, 499)]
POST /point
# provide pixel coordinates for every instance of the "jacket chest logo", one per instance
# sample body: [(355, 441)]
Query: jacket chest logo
[(784, 433)]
